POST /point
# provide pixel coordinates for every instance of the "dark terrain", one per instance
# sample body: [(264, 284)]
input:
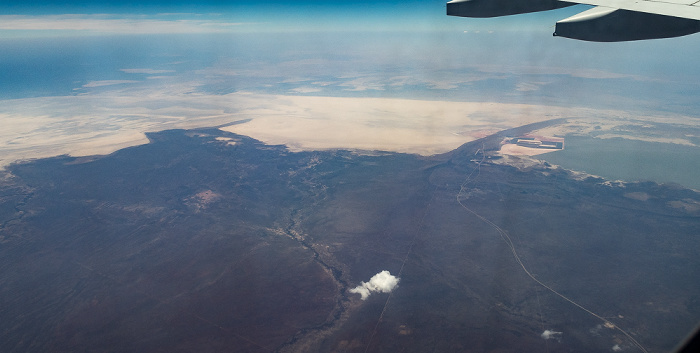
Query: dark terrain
[(196, 244)]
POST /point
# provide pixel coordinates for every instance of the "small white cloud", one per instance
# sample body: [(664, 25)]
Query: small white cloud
[(323, 83), (527, 87), (146, 71), (549, 334), (363, 84), (383, 282), (305, 90), (107, 83), (616, 348), (442, 85), (400, 81)]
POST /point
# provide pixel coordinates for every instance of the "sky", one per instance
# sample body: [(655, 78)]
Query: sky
[(91, 69), (45, 19), (252, 16)]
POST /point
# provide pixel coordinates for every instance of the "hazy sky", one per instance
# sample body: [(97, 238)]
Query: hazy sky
[(256, 16), (414, 38)]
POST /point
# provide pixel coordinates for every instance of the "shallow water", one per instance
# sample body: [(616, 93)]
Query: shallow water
[(630, 160)]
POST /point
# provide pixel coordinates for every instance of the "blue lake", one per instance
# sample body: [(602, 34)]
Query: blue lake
[(630, 160)]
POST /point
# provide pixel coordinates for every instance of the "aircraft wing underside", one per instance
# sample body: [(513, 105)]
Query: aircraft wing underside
[(609, 21)]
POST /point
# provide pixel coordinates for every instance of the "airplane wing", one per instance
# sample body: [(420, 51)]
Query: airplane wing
[(608, 21)]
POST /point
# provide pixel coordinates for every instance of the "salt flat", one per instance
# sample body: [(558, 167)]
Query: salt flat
[(105, 122)]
